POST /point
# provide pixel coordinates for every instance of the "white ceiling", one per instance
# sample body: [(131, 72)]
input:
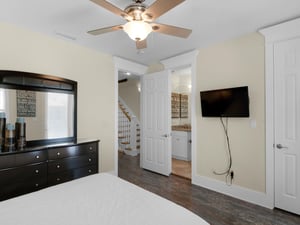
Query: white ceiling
[(211, 21)]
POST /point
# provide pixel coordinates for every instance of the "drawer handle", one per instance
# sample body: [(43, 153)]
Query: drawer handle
[(37, 171), (58, 179), (58, 153), (37, 157), (90, 160), (90, 171), (36, 185), (58, 166)]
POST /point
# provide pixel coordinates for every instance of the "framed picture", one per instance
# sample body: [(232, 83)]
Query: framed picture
[(26, 103)]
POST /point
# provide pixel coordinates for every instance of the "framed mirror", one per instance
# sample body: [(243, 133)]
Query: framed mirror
[(48, 105)]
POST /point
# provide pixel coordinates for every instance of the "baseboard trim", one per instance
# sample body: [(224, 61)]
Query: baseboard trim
[(234, 191), (112, 172), (132, 152)]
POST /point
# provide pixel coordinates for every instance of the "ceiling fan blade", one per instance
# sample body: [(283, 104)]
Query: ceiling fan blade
[(171, 30), (160, 7), (105, 30), (141, 44), (110, 7)]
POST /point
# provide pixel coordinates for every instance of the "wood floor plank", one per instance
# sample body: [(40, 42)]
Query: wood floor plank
[(182, 168), (215, 208)]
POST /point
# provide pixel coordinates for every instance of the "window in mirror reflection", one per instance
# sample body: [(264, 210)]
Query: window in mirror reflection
[(2, 100), (59, 108)]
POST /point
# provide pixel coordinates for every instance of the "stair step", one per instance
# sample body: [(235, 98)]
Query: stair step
[(125, 143), (138, 147), (121, 137), (128, 149), (138, 135), (138, 140), (138, 129), (124, 131)]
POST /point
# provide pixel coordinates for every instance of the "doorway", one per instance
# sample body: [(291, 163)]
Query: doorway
[(181, 86), (180, 61)]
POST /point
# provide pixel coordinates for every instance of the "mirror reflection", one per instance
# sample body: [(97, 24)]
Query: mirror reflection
[(47, 115)]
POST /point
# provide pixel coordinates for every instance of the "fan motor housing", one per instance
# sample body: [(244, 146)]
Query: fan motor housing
[(136, 11)]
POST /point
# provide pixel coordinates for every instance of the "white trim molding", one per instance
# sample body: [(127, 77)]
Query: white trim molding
[(285, 31), (235, 191), (188, 60), (124, 64)]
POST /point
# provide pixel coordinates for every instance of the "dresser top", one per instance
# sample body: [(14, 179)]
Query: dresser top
[(78, 141)]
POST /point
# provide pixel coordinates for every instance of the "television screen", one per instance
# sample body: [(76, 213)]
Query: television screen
[(229, 102)]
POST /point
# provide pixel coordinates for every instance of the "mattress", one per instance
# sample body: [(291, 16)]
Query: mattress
[(100, 199)]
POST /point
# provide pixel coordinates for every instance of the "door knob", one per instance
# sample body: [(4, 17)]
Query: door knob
[(165, 135), (280, 146)]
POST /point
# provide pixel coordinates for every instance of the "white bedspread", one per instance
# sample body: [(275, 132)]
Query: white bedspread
[(100, 199)]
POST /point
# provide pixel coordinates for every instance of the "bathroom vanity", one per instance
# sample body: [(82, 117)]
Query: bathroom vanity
[(181, 142)]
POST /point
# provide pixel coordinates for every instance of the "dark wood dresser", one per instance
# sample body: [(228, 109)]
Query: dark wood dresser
[(39, 167)]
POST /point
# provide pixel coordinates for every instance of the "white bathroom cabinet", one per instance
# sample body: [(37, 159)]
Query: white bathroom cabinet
[(181, 145)]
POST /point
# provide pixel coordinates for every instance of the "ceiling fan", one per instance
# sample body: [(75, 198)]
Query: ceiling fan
[(140, 19)]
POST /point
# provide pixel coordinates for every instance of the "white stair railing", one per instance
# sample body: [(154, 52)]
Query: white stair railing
[(128, 130)]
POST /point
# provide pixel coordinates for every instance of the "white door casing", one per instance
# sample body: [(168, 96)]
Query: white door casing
[(287, 125), (156, 122)]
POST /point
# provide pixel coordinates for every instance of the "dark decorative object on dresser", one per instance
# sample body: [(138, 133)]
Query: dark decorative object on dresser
[(52, 154)]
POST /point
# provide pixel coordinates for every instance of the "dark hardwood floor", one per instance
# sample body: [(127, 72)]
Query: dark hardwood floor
[(215, 208)]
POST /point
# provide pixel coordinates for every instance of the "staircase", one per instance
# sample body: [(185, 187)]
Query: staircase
[(128, 130)]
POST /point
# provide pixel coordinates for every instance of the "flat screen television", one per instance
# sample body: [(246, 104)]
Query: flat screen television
[(229, 102)]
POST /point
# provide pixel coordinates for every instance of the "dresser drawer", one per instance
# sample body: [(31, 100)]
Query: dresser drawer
[(58, 166), (7, 161), (32, 185), (69, 175), (64, 152), (24, 173), (18, 188), (30, 157)]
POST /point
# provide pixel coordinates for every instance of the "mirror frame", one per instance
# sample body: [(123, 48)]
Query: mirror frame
[(42, 83)]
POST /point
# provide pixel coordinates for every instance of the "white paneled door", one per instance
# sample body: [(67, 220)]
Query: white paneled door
[(287, 125), (156, 122)]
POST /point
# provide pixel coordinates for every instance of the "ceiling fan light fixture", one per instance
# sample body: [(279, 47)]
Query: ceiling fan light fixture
[(137, 30)]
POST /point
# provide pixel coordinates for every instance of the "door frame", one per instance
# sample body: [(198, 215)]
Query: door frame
[(273, 35), (128, 66), (188, 59)]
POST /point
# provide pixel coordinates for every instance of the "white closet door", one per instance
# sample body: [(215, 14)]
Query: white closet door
[(287, 125)]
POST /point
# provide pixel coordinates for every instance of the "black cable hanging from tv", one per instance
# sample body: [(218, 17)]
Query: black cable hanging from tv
[(228, 172)]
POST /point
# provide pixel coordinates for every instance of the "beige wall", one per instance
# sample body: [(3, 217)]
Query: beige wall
[(128, 91), (236, 62), (156, 67), (24, 50)]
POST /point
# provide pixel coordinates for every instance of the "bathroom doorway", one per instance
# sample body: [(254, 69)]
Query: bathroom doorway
[(181, 122)]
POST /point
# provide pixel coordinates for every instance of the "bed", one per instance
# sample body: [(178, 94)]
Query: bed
[(100, 199)]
